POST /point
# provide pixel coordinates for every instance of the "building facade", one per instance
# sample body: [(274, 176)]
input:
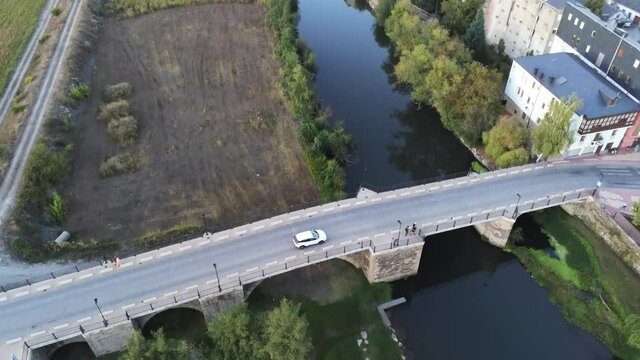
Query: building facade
[(599, 125)]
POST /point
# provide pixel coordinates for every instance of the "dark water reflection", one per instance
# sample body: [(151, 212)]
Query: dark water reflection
[(470, 300)]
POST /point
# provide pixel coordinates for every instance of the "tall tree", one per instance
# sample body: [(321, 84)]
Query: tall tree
[(405, 29), (286, 336), (159, 347), (474, 36), (554, 133), (595, 6), (459, 14), (508, 134), (234, 335), (383, 10)]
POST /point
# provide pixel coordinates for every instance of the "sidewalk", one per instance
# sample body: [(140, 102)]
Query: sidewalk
[(627, 156)]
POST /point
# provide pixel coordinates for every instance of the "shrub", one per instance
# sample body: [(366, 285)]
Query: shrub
[(45, 168), (123, 130), (383, 10), (17, 108), (114, 110), (508, 134), (28, 80), (124, 163), (44, 38), (117, 91), (515, 157), (79, 91), (56, 11), (57, 208), (478, 167)]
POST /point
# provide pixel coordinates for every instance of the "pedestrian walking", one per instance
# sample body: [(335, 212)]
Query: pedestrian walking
[(117, 261), (413, 229)]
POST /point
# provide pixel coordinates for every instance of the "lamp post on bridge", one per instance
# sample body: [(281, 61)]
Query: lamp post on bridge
[(598, 184), (515, 213), (217, 277), (104, 321)]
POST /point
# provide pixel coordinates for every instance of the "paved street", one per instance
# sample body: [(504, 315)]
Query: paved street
[(60, 303)]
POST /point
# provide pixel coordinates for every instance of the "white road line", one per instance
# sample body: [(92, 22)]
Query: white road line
[(360, 202), (171, 293), (229, 276), (555, 195), (251, 270), (405, 193), (390, 197), (582, 189), (422, 190), (472, 214), (105, 270), (447, 185), (550, 165), (363, 238), (271, 264), (289, 258), (37, 333), (20, 294), (107, 312), (190, 287), (128, 306), (501, 208), (539, 167), (488, 177), (475, 179), (276, 222), (567, 193), (258, 227), (461, 182), (205, 242), (312, 213), (309, 252), (13, 341), (486, 211), (87, 318), (126, 264), (525, 170), (62, 326), (166, 253), (514, 172), (211, 281), (65, 281), (3, 299), (345, 243), (327, 247), (152, 298), (328, 209), (379, 234), (501, 175), (240, 233), (85, 276), (426, 224), (442, 221), (541, 198), (45, 287), (376, 199), (222, 237), (187, 247), (346, 205), (151, 257), (457, 218), (294, 217)]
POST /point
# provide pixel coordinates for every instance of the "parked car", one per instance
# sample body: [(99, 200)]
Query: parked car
[(308, 238)]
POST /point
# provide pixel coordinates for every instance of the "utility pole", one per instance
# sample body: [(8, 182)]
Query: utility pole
[(515, 213), (104, 321), (217, 277)]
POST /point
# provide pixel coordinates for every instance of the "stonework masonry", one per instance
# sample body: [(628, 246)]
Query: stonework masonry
[(214, 305), (496, 231), (388, 265), (110, 339)]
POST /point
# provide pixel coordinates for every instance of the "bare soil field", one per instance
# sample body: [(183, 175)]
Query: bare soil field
[(200, 77)]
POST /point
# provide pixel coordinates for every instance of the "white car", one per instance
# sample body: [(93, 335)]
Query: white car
[(308, 238)]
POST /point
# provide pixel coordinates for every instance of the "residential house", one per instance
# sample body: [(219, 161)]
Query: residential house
[(631, 8), (602, 121)]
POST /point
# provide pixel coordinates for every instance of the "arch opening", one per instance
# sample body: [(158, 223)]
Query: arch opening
[(178, 323)]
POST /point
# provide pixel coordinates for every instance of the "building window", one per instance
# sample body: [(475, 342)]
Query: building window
[(576, 22), (593, 33), (582, 138), (621, 53), (636, 63), (582, 25), (587, 49), (570, 16)]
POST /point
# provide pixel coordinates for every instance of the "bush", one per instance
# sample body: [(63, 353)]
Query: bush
[(478, 167), (508, 134), (114, 110), (44, 169), (515, 157), (17, 108), (44, 38), (117, 91), (79, 91), (57, 208), (383, 10), (120, 164), (124, 130), (56, 11)]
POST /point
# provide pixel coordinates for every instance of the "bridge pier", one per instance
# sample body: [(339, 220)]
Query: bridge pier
[(110, 339), (389, 264), (496, 231), (214, 305)]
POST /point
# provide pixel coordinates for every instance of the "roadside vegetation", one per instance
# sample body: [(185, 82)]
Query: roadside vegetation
[(592, 287), (18, 20), (120, 164), (121, 126), (325, 147), (506, 143), (130, 8)]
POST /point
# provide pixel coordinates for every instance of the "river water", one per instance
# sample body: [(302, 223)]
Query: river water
[(469, 300)]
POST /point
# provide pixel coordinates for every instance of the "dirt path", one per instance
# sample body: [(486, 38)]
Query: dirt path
[(200, 75)]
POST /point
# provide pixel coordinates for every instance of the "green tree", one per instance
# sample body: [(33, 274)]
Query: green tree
[(159, 347), (507, 135), (554, 133), (474, 36), (58, 208), (383, 10), (234, 335), (632, 328), (458, 14), (501, 47), (286, 336), (636, 213), (519, 156), (595, 6), (405, 29)]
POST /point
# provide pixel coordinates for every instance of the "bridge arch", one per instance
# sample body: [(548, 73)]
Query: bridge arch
[(173, 320)]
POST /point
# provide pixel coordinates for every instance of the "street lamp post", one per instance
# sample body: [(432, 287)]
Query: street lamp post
[(515, 213), (598, 184), (217, 277), (104, 321)]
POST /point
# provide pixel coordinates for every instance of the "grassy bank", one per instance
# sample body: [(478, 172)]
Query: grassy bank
[(129, 8), (18, 20), (592, 287)]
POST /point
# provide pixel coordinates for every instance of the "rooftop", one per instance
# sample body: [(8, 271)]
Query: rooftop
[(631, 33), (564, 74), (631, 4)]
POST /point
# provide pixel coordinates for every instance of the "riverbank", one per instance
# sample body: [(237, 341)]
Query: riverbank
[(591, 285)]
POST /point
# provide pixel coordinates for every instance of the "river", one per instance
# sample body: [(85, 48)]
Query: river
[(469, 300)]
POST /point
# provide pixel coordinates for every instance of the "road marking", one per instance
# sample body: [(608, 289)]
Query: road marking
[(442, 221), (555, 195), (379, 234), (128, 306), (65, 281), (361, 202), (390, 197), (21, 294), (426, 224), (107, 312), (37, 333), (85, 276), (346, 205), (363, 238), (62, 326), (345, 243), (151, 257), (580, 190), (327, 247), (3, 299), (166, 253), (514, 172), (312, 213), (222, 237), (205, 242), (13, 341), (461, 182), (45, 287), (289, 258), (294, 217), (251, 270), (376, 199), (422, 190), (87, 318), (127, 264), (486, 211), (501, 175), (541, 198), (328, 209), (501, 207), (475, 179), (550, 165), (525, 170), (229, 276), (271, 264), (309, 252), (240, 233), (447, 185), (105, 270), (488, 177), (567, 193), (187, 247), (171, 293), (153, 298), (276, 222), (211, 281), (538, 167), (472, 214)]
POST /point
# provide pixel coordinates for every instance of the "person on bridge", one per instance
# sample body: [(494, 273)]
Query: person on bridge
[(413, 229)]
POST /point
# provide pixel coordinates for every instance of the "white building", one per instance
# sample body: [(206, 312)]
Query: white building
[(599, 125), (631, 8)]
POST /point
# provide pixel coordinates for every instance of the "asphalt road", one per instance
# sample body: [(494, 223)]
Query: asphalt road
[(66, 304)]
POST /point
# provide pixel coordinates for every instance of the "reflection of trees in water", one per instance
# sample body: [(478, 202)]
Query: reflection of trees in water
[(360, 5), (423, 148)]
